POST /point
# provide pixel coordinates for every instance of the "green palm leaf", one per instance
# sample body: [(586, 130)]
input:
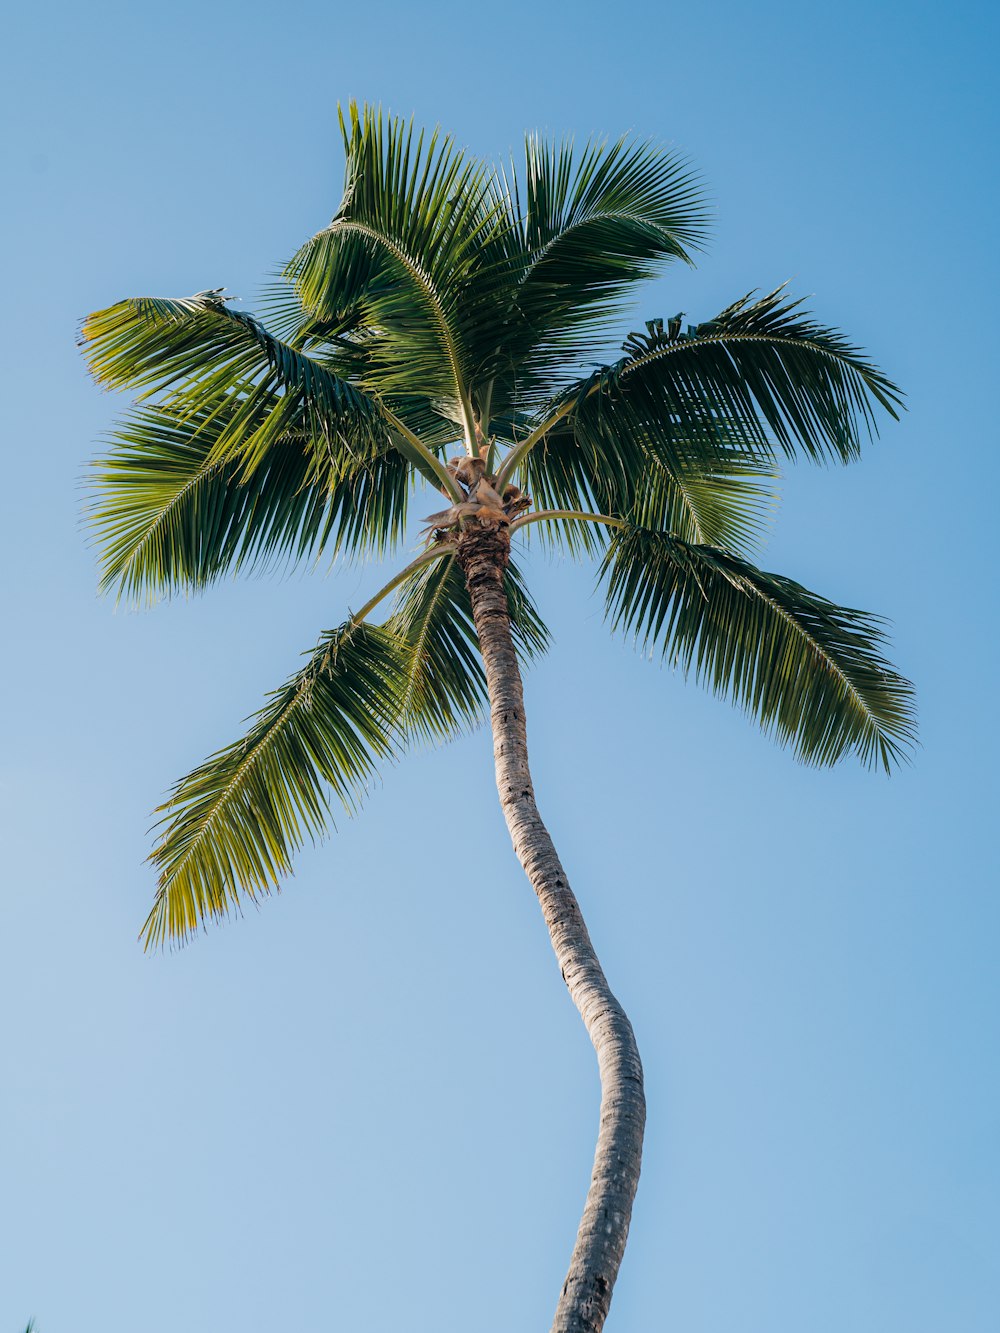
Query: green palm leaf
[(445, 687), (230, 827), (702, 416), (773, 376), (397, 257), (722, 500), (445, 683), (727, 503), (170, 513), (197, 351), (529, 631), (810, 671), (348, 351), (583, 228)]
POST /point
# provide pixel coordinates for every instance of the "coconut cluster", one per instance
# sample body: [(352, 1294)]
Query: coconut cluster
[(481, 501)]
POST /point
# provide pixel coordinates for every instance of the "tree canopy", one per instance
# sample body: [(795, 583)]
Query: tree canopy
[(451, 304)]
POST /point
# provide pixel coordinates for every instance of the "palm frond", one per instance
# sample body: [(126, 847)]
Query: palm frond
[(230, 827), (446, 689), (169, 514), (528, 629), (727, 503), (811, 672), (347, 351), (396, 258), (719, 497), (445, 684), (774, 378), (583, 228), (197, 351)]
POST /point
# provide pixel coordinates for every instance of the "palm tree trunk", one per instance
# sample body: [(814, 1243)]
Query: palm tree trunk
[(600, 1242)]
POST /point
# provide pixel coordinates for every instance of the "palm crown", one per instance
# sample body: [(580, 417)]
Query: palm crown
[(445, 303)]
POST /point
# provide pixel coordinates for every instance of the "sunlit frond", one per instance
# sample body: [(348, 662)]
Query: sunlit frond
[(348, 352), (397, 257), (230, 828), (196, 352)]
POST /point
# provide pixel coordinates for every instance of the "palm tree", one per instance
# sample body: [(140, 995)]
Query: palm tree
[(450, 308)]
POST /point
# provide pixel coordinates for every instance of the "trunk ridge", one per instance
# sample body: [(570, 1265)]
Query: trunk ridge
[(583, 1304)]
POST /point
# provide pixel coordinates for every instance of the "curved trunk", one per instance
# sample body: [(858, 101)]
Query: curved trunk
[(600, 1242)]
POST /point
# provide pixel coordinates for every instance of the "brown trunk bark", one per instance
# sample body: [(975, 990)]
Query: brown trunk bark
[(600, 1242)]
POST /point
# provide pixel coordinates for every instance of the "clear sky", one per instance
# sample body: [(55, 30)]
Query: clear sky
[(370, 1105)]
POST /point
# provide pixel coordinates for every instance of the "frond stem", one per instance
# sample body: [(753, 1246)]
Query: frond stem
[(606, 519), (448, 483), (519, 451), (435, 553)]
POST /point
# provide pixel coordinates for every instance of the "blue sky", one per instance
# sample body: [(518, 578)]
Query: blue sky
[(370, 1105)]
